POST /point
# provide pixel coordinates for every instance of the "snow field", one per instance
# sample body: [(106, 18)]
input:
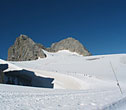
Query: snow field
[(80, 83)]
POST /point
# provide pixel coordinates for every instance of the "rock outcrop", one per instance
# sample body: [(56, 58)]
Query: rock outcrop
[(70, 44), (1, 76), (25, 49), (2, 68), (27, 78)]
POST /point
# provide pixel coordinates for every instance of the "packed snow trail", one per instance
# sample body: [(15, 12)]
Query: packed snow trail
[(29, 98)]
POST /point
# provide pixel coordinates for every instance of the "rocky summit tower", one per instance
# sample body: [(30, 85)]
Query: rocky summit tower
[(24, 49)]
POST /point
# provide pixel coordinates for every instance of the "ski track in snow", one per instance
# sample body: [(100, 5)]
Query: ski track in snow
[(118, 105)]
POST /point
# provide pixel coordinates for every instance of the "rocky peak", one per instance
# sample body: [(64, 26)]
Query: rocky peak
[(23, 39), (24, 49), (70, 44)]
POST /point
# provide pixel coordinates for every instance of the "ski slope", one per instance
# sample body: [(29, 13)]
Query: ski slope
[(29, 98), (80, 83), (89, 69)]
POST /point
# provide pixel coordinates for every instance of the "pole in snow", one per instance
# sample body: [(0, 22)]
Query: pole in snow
[(116, 78)]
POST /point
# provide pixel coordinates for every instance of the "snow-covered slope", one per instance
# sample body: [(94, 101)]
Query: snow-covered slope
[(85, 83), (28, 98), (91, 68)]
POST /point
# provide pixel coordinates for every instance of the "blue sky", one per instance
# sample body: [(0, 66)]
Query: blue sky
[(100, 25)]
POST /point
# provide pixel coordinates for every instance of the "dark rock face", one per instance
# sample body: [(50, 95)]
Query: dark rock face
[(70, 44), (1, 76), (18, 77), (23, 78), (27, 78), (2, 68), (24, 49)]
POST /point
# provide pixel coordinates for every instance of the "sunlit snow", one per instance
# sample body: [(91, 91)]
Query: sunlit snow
[(80, 83)]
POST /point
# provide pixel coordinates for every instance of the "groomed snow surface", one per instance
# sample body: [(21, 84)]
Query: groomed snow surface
[(80, 83)]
